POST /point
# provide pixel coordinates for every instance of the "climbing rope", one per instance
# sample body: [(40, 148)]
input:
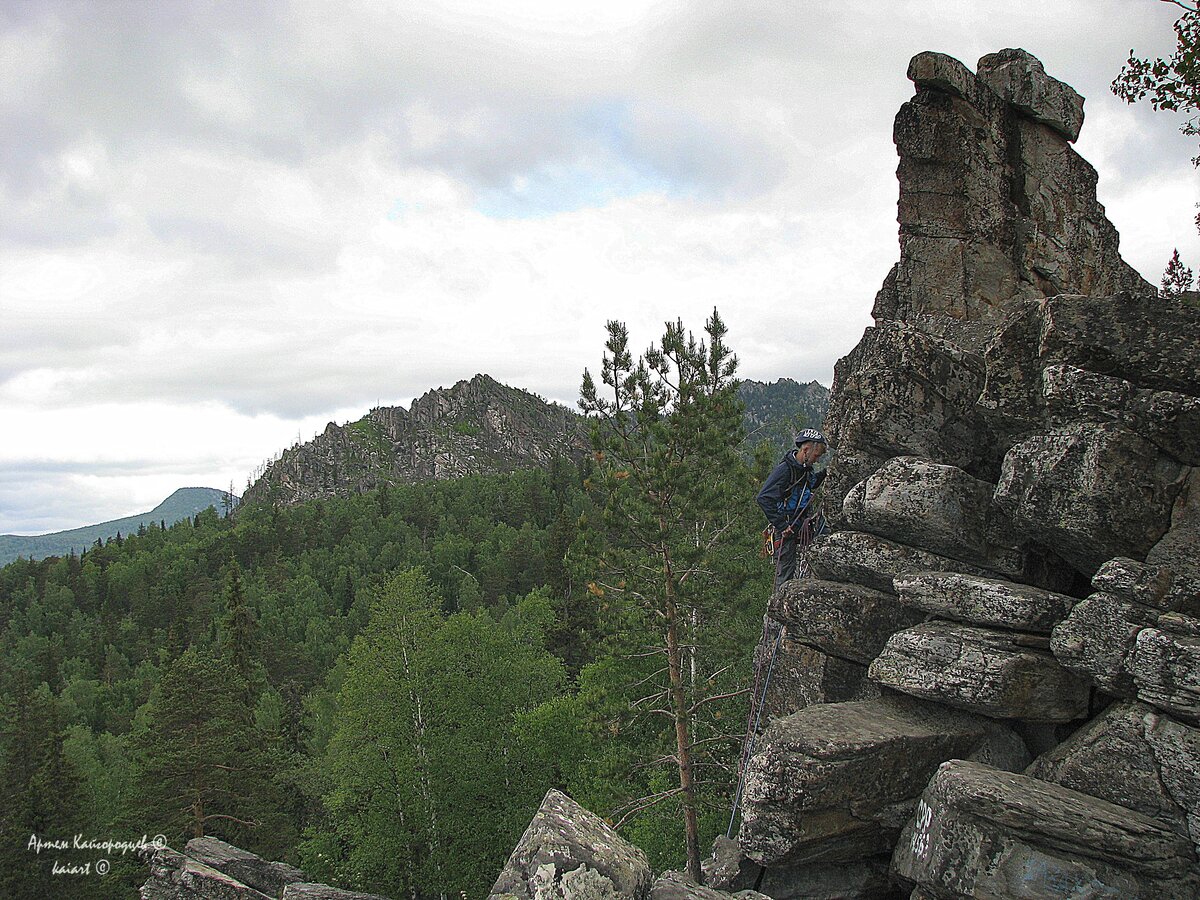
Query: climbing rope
[(752, 733), (812, 527)]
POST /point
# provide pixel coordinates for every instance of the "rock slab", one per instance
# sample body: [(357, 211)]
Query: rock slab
[(1004, 675), (269, 877), (980, 832), (984, 601), (843, 620), (1157, 756), (569, 853), (828, 782)]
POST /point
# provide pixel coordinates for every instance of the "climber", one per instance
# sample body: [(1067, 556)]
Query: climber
[(786, 499)]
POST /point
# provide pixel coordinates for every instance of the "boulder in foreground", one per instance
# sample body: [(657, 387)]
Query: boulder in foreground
[(568, 853), (980, 832)]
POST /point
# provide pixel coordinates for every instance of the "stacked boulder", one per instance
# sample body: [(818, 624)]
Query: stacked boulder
[(992, 685)]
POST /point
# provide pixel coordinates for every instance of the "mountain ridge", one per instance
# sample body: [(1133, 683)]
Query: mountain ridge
[(479, 426), (180, 504)]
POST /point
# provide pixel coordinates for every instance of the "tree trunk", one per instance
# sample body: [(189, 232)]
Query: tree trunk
[(683, 742)]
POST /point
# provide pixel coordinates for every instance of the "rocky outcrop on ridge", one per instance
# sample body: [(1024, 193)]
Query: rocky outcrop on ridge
[(482, 427), (992, 685), (775, 411), (476, 427)]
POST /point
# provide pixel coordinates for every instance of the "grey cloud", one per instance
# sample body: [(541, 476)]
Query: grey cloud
[(244, 247), (128, 75)]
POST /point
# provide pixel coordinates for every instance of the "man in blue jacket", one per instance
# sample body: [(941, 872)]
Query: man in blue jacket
[(786, 498)]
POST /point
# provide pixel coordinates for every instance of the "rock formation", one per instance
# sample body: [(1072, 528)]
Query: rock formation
[(568, 853), (992, 685), (476, 427), (210, 869)]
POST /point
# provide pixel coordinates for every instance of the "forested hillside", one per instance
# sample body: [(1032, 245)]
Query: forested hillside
[(378, 688), (182, 504)]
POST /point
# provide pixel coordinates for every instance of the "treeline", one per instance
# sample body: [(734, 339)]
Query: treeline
[(378, 689)]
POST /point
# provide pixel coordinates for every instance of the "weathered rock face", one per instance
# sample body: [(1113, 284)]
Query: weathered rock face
[(677, 886), (843, 620), (1000, 674), (728, 869), (979, 832), (269, 877), (920, 503), (323, 892), (476, 427), (875, 562), (1157, 756), (1017, 499), (831, 782), (984, 601), (568, 852), (1091, 491), (1135, 637), (802, 675), (1177, 548), (994, 204)]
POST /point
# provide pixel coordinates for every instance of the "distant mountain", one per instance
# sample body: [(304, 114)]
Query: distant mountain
[(476, 427), (481, 427), (776, 411), (183, 504)]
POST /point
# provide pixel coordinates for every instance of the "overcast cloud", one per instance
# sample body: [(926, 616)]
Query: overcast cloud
[(225, 223)]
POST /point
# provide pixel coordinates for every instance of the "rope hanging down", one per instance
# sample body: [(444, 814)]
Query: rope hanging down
[(811, 527)]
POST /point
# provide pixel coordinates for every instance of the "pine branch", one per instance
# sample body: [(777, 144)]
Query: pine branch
[(642, 804)]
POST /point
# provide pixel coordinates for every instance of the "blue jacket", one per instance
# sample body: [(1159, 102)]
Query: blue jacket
[(788, 490)]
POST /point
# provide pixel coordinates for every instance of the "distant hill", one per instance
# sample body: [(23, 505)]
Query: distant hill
[(776, 411), (182, 504), (476, 427), (482, 427)]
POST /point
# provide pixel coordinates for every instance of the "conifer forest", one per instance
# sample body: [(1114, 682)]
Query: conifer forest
[(380, 689)]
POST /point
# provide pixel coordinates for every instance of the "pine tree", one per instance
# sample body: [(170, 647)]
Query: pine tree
[(672, 481), (42, 797), (201, 766), (1176, 279), (238, 636)]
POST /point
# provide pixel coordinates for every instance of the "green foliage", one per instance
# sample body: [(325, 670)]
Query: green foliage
[(201, 766), (674, 488), (1171, 84), (424, 789), (1177, 279), (42, 795), (267, 645)]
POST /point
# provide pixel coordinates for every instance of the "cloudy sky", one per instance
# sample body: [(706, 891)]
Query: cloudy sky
[(224, 224)]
